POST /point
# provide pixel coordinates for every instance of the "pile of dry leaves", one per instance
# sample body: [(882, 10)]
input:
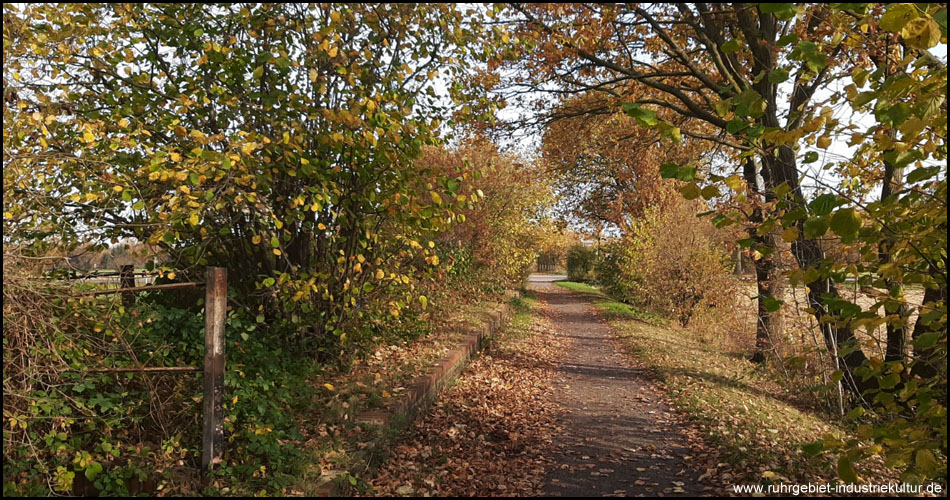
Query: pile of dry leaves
[(493, 432)]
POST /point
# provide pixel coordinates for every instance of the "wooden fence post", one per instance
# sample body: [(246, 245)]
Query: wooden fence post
[(127, 280), (216, 305)]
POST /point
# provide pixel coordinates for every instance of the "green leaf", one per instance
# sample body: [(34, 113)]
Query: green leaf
[(710, 192), (845, 470), (815, 228), (922, 173), (811, 55), (92, 470), (778, 75), (901, 159), (926, 341), (846, 223), (645, 117), (732, 46), (890, 381), (671, 170), (823, 204), (788, 40), (814, 449), (893, 115), (723, 107), (269, 282), (925, 461), (690, 191), (771, 304), (746, 242), (783, 11), (810, 157), (941, 19), (750, 103), (736, 125)]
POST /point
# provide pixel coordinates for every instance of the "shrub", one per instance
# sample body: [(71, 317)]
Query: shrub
[(667, 263), (580, 263)]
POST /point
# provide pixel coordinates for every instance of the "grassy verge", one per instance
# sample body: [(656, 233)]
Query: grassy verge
[(740, 409)]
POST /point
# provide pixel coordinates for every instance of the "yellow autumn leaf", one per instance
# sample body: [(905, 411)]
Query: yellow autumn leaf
[(321, 227), (329, 387), (256, 239), (824, 141), (790, 234), (380, 274), (176, 157), (333, 52)]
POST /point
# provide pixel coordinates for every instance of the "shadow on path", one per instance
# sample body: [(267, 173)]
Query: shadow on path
[(619, 437)]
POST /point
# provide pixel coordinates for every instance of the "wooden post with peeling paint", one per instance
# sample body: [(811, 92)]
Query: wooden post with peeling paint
[(216, 305), (127, 280)]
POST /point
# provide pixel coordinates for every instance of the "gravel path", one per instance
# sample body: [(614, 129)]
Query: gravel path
[(618, 437)]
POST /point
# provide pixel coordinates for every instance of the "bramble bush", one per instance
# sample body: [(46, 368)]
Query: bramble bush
[(75, 431)]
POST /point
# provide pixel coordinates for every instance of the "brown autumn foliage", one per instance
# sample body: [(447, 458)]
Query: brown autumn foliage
[(504, 226)]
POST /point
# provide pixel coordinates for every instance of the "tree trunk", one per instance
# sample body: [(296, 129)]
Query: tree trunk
[(768, 325), (769, 285), (839, 337), (930, 362)]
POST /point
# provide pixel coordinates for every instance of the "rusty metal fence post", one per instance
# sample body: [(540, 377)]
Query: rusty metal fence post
[(216, 304)]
